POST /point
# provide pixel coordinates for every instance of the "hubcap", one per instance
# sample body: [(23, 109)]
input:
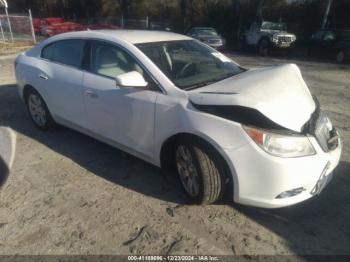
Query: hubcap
[(187, 171), (36, 109)]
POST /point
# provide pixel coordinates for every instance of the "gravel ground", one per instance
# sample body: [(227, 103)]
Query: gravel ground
[(70, 194)]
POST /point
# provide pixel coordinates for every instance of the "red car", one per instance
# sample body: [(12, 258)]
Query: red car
[(103, 26), (53, 26), (37, 25), (56, 29)]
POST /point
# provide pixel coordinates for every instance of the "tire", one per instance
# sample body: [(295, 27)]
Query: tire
[(340, 57), (263, 47), (38, 111), (206, 165)]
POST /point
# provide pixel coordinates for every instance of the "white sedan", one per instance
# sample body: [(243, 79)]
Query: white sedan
[(256, 134)]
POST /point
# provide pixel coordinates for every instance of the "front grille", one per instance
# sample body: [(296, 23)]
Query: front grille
[(285, 39), (321, 127), (323, 131)]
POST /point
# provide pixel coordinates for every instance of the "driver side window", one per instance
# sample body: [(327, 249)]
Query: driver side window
[(111, 61)]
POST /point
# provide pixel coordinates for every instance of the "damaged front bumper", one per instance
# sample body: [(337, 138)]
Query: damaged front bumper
[(264, 178)]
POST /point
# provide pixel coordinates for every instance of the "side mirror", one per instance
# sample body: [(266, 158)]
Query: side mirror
[(131, 80)]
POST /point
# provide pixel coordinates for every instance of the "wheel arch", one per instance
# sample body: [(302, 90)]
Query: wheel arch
[(168, 147), (264, 37), (26, 89)]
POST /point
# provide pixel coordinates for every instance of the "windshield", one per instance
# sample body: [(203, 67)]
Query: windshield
[(274, 26), (206, 31), (189, 64)]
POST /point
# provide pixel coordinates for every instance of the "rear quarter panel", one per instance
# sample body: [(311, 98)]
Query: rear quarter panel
[(27, 73)]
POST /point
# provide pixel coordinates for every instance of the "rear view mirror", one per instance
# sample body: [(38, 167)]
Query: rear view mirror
[(131, 80)]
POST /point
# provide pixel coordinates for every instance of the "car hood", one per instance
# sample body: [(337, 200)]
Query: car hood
[(277, 32), (278, 92)]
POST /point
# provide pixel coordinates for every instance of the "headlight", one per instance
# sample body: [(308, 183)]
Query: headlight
[(281, 145)]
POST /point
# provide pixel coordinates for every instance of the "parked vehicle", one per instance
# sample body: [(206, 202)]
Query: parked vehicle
[(46, 22), (103, 26), (334, 44), (53, 20), (56, 29), (178, 104), (37, 23), (207, 35), (52, 26), (159, 26), (266, 36)]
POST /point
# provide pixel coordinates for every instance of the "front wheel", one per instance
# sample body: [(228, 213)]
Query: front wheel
[(200, 171)]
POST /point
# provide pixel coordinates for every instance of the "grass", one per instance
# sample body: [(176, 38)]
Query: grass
[(8, 48)]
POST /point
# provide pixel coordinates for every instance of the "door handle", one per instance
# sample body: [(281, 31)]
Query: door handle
[(90, 93), (44, 77)]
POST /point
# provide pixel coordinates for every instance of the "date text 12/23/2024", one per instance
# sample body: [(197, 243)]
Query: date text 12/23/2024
[(173, 258)]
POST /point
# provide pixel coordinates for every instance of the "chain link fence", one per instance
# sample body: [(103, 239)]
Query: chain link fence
[(16, 28)]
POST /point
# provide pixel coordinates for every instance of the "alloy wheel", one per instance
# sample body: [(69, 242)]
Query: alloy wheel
[(37, 110), (187, 171)]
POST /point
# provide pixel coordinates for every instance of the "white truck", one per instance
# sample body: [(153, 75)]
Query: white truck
[(266, 36)]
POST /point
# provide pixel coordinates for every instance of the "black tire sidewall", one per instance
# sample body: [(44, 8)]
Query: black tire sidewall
[(213, 155), (263, 44)]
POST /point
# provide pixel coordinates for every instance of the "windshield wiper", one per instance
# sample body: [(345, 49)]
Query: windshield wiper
[(199, 85), (209, 82)]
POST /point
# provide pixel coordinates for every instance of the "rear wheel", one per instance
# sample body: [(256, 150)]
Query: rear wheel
[(263, 48), (200, 171), (38, 110), (340, 57)]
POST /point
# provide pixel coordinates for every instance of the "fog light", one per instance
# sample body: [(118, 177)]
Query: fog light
[(291, 193)]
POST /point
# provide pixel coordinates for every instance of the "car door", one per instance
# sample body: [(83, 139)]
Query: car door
[(122, 116), (60, 76)]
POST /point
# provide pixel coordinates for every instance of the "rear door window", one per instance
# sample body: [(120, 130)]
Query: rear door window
[(67, 52)]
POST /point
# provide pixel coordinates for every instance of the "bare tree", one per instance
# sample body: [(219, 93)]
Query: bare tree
[(259, 10), (124, 6), (326, 14)]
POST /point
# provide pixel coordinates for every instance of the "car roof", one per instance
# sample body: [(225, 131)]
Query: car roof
[(130, 36)]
